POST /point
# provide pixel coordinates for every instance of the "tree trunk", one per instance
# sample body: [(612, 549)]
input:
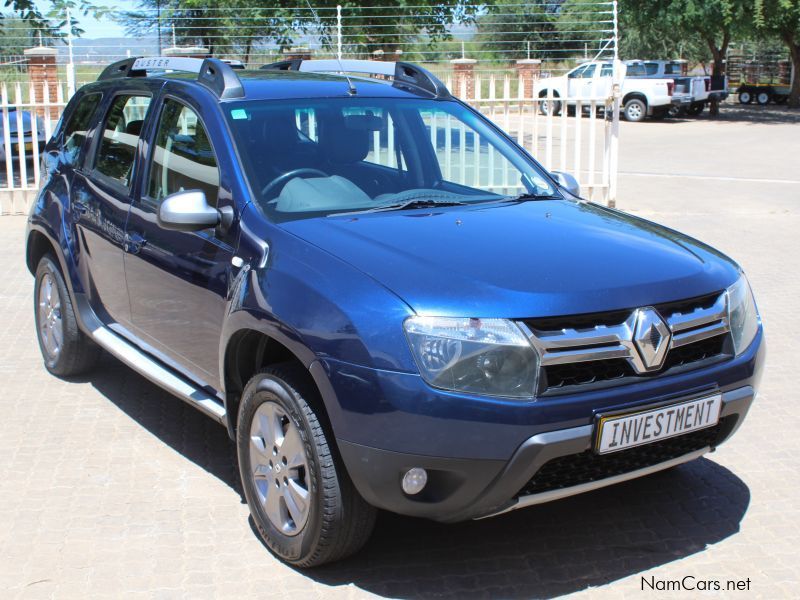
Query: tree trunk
[(719, 66), (794, 93)]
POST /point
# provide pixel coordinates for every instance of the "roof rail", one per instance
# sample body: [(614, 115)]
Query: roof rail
[(403, 73), (214, 74)]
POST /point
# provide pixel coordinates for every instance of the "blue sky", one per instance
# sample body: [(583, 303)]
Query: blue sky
[(99, 28)]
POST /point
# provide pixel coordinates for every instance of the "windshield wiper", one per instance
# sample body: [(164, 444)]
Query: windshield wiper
[(419, 203), (528, 197)]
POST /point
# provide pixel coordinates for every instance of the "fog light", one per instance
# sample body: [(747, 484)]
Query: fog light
[(414, 480)]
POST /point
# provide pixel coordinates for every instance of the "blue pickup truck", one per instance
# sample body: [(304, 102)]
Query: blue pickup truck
[(385, 300)]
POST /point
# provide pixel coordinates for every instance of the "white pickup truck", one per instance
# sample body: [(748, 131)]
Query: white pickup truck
[(593, 80)]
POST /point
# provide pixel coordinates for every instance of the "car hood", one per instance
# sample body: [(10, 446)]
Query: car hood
[(537, 258)]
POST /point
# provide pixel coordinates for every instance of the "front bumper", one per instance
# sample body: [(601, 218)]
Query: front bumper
[(461, 489), (482, 454)]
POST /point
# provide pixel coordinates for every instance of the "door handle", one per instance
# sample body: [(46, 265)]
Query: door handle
[(134, 242)]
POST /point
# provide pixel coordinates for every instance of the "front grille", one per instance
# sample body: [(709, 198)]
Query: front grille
[(585, 373), (575, 469), (598, 350), (697, 352)]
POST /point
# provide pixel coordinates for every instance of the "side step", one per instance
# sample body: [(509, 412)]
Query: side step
[(147, 366)]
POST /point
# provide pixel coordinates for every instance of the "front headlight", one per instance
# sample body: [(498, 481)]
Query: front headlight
[(491, 357), (742, 314)]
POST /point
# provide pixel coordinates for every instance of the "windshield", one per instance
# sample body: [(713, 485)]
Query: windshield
[(313, 157)]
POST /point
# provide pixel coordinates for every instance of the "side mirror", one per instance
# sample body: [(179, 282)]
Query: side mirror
[(190, 211), (568, 182)]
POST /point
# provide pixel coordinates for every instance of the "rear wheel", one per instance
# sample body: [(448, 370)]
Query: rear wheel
[(302, 501), (696, 108), (635, 110), (763, 98), (65, 349)]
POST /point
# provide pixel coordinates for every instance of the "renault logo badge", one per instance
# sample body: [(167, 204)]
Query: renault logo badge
[(651, 337)]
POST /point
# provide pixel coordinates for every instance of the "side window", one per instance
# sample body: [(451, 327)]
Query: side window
[(635, 70), (577, 73), (588, 72), (76, 128), (182, 157), (607, 71), (651, 68), (123, 126)]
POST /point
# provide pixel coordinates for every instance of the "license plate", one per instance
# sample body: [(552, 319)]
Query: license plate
[(616, 433)]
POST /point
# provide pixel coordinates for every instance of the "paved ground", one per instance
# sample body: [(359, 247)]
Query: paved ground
[(110, 487)]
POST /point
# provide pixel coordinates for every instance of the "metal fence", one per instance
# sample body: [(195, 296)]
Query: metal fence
[(486, 55)]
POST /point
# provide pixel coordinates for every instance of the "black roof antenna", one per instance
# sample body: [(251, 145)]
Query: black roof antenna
[(351, 88)]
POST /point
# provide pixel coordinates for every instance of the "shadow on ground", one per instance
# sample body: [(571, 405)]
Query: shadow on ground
[(542, 551), (745, 114)]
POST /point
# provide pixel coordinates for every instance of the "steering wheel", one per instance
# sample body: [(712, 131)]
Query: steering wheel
[(283, 179)]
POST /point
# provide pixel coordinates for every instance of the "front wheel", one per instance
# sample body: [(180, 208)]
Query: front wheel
[(302, 501), (548, 108), (635, 110), (745, 98)]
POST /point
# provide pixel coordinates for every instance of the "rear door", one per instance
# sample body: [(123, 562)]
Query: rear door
[(178, 281), (100, 199)]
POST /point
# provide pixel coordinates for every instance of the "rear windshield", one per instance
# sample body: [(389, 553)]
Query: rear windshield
[(312, 157)]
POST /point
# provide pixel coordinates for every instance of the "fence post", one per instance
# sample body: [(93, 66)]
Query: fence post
[(42, 71), (618, 74), (339, 31)]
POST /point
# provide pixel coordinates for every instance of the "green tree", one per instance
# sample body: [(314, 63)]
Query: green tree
[(16, 35), (713, 22), (52, 22), (782, 18), (507, 29)]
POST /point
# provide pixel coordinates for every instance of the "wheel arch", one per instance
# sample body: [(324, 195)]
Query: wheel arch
[(635, 96), (252, 348)]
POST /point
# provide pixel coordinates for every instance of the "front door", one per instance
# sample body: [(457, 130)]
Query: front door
[(178, 281)]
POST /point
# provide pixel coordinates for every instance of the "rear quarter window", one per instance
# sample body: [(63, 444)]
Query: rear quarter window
[(77, 126)]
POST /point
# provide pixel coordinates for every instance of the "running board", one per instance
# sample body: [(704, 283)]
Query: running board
[(147, 366), (533, 499)]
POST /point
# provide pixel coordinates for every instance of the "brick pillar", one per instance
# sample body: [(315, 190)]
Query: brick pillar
[(186, 52), (42, 68), (464, 70), (528, 70)]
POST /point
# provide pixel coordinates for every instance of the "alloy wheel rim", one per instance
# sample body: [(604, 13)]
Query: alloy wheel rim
[(279, 468), (51, 328), (635, 111)]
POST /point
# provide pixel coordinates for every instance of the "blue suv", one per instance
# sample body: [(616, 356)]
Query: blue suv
[(387, 302)]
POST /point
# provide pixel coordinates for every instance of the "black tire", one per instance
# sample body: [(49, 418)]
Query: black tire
[(544, 105), (76, 353), (338, 521), (763, 98), (675, 112), (745, 97), (696, 108), (635, 110)]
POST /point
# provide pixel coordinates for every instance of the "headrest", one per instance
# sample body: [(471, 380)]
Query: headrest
[(345, 141), (134, 127)]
